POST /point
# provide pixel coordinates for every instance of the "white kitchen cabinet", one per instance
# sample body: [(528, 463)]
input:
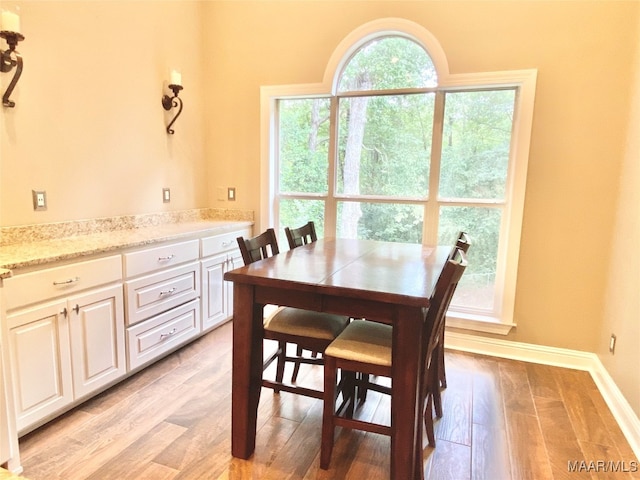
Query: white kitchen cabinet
[(220, 254), (62, 349), (71, 329)]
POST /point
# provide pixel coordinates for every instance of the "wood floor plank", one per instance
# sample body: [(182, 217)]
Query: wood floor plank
[(542, 380), (448, 461), (527, 452), (515, 387), (457, 398), (559, 437), (489, 453), (604, 462), (488, 407), (584, 415)]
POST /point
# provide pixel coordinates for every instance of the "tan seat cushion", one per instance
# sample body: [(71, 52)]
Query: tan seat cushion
[(305, 323), (363, 341)]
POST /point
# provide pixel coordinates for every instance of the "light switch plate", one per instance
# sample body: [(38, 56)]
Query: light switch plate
[(166, 195), (231, 194)]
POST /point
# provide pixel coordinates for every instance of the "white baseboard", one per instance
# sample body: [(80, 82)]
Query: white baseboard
[(623, 413)]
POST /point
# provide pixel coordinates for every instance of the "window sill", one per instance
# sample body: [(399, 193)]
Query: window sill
[(478, 323)]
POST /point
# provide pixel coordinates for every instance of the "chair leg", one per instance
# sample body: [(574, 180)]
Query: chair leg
[(362, 387), (428, 421), (296, 365), (282, 352), (349, 392), (441, 371), (434, 380), (329, 408)]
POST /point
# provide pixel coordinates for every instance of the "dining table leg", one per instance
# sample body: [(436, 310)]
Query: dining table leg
[(246, 370), (406, 456)]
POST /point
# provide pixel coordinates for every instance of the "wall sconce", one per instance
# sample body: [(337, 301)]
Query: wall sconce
[(175, 84), (10, 31)]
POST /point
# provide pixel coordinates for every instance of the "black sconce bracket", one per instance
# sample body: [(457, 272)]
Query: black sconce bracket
[(7, 62), (169, 102)]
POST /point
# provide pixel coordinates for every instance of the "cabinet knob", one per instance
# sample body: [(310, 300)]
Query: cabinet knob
[(76, 309), (64, 312)]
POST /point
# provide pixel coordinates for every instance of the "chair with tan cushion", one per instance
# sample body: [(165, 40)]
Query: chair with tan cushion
[(309, 330), (366, 347)]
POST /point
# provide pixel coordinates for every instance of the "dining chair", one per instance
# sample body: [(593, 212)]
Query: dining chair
[(296, 237), (309, 330), (463, 242), (366, 347), (302, 235)]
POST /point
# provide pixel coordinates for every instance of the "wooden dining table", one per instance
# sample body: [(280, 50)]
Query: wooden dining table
[(382, 281)]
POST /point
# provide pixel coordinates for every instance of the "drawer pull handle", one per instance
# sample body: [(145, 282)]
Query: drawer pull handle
[(166, 259), (227, 243), (67, 282), (168, 292), (167, 335)]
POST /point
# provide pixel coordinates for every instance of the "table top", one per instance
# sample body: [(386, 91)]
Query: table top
[(399, 273)]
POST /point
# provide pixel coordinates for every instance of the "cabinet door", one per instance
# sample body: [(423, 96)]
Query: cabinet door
[(96, 326), (214, 296), (40, 362)]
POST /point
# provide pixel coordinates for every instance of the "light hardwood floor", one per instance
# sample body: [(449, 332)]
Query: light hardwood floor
[(502, 420)]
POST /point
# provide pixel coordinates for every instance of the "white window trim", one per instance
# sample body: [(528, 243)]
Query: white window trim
[(524, 80)]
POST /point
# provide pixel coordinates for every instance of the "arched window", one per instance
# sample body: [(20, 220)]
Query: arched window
[(388, 63), (392, 147)]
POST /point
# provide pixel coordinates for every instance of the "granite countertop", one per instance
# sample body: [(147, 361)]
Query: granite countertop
[(38, 251)]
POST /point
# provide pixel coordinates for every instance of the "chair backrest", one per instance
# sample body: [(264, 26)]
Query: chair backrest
[(258, 247), (463, 242), (301, 235), (440, 300)]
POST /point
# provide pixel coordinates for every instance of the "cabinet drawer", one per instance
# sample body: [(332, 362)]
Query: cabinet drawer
[(54, 282), (158, 335), (222, 243), (152, 294), (152, 259)]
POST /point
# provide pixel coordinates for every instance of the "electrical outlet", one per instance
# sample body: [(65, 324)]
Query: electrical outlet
[(612, 344), (231, 194), (39, 199), (166, 195)]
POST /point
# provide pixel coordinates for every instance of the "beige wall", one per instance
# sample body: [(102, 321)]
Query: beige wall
[(89, 127), (622, 304)]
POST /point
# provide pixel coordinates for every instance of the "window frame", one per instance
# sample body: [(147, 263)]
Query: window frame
[(523, 81)]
